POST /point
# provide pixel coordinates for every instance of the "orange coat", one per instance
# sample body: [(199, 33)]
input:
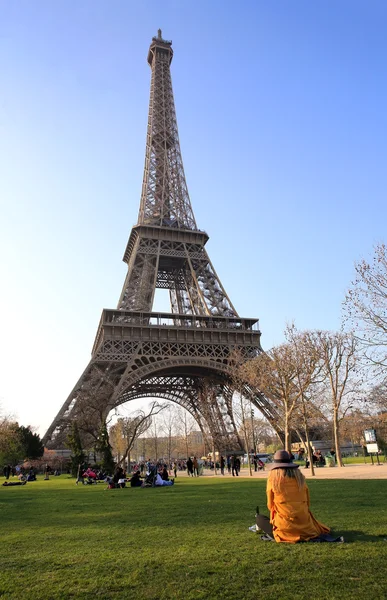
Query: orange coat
[(290, 515)]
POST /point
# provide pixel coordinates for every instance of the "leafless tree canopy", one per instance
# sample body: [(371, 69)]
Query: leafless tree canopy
[(274, 373), (366, 306), (128, 429), (314, 371)]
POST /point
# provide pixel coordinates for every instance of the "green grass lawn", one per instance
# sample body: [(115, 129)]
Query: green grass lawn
[(353, 460), (360, 460), (189, 541)]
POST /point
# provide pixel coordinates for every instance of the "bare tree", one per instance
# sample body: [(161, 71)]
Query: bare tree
[(308, 368), (377, 397), (354, 423), (168, 426), (366, 306), (340, 363), (127, 430), (242, 413), (263, 433), (242, 406), (185, 424), (274, 373), (155, 438)]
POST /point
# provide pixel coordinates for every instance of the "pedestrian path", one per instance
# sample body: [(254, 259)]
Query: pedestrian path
[(352, 471)]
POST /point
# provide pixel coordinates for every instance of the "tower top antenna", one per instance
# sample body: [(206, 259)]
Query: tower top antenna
[(164, 46)]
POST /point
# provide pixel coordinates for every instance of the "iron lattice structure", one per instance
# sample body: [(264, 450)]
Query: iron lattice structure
[(182, 356)]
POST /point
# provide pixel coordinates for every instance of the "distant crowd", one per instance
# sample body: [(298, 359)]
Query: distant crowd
[(318, 458), (148, 475), (22, 474)]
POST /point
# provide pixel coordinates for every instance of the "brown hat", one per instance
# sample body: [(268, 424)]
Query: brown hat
[(281, 460)]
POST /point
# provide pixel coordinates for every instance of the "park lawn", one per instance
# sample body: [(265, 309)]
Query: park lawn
[(353, 460), (189, 541), (360, 460)]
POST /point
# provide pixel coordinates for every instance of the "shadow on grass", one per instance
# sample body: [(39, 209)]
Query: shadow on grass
[(360, 536)]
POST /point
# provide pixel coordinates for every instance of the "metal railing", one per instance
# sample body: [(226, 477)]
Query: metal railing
[(178, 320)]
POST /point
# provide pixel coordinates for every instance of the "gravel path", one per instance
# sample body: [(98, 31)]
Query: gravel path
[(357, 471)]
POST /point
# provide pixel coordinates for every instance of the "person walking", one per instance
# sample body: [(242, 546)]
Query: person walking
[(190, 467), (222, 463), (234, 466), (195, 466)]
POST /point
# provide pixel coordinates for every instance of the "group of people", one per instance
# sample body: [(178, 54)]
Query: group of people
[(9, 471), (233, 465), (318, 458), (173, 466), (157, 475), (89, 476), (22, 474), (192, 467)]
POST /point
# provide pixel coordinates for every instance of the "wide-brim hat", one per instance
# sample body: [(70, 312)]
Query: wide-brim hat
[(281, 460)]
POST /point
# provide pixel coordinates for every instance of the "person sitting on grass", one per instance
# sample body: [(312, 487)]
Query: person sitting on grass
[(89, 476), (118, 474), (288, 502), (12, 483), (135, 480), (110, 483), (160, 481), (31, 475), (164, 474)]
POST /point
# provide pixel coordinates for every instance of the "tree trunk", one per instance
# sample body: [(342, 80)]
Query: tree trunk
[(245, 434), (337, 437), (253, 429), (310, 455), (286, 434)]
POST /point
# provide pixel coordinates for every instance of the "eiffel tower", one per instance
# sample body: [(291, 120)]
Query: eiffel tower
[(182, 356)]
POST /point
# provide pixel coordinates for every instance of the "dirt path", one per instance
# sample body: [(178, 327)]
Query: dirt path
[(358, 471)]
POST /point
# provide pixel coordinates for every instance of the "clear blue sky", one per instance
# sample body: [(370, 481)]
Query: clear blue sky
[(281, 110)]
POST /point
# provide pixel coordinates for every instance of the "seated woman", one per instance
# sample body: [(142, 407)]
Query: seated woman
[(288, 502), (135, 480), (164, 474), (119, 477)]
